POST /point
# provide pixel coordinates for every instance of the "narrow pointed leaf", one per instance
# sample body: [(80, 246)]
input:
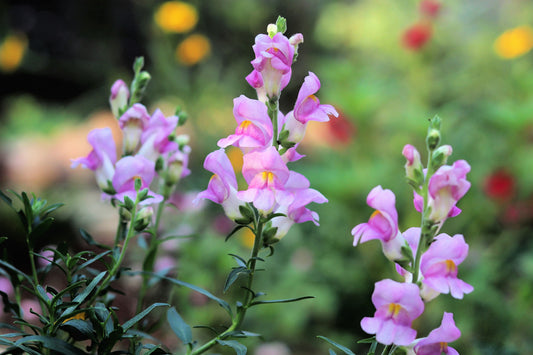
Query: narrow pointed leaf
[(234, 275), (82, 296), (337, 345), (178, 326), (141, 315), (287, 300), (239, 348), (51, 343)]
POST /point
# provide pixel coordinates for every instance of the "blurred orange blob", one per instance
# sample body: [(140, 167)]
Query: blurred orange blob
[(247, 238), (193, 49), (416, 36), (514, 42), (176, 16), (12, 51)]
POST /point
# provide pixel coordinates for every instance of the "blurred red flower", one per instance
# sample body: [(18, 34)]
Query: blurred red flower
[(500, 185), (416, 36), (429, 8)]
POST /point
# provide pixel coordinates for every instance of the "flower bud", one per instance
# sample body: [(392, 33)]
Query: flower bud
[(440, 156), (432, 139), (143, 218), (118, 100), (139, 84), (413, 166), (272, 29)]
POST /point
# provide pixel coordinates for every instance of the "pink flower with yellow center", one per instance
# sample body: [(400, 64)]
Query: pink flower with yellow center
[(129, 169), (382, 225), (266, 175), (254, 127), (397, 305), (438, 267), (437, 341)]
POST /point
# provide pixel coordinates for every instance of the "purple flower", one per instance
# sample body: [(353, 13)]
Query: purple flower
[(382, 225), (155, 137), (118, 100), (413, 166), (273, 60), (266, 175), (222, 187), (102, 158), (446, 187), (130, 168), (437, 341), (307, 108), (439, 264), (297, 212), (397, 305), (132, 123), (254, 130)]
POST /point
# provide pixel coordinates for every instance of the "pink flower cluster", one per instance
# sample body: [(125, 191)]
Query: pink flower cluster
[(399, 303), (271, 186), (148, 141)]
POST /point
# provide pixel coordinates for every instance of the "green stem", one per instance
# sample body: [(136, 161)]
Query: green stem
[(273, 107), (385, 349), (121, 231), (152, 252), (241, 312)]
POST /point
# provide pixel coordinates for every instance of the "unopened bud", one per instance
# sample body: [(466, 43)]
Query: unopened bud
[(440, 156), (118, 100), (433, 139), (143, 218), (272, 29), (413, 166)]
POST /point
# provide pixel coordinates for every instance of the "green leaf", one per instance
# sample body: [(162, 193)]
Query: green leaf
[(235, 230), (89, 239), (82, 296), (288, 300), (6, 199), (239, 348), (178, 326), (331, 352), (17, 271), (13, 345), (141, 315), (234, 275), (79, 329), (51, 343), (242, 334), (41, 227), (337, 345), (240, 261)]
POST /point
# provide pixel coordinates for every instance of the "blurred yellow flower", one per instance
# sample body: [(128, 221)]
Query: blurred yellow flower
[(514, 42), (176, 16), (193, 49), (247, 238), (235, 157), (12, 51)]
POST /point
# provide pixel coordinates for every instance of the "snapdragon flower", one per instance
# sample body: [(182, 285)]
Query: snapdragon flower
[(397, 305), (437, 341), (382, 225), (438, 267), (118, 100), (307, 108), (222, 187), (133, 123), (272, 64), (254, 127), (102, 158), (130, 168), (155, 138), (297, 212), (266, 175)]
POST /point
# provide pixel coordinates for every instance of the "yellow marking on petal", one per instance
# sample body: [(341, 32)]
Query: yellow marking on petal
[(245, 124), (443, 347), (313, 97), (267, 177), (450, 266), (374, 214), (176, 16), (514, 42), (394, 309)]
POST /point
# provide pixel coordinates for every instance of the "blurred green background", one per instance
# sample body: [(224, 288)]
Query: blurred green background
[(387, 66)]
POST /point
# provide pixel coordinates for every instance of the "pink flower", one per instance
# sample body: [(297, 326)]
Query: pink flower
[(6, 286), (446, 187), (397, 305), (307, 108), (273, 60), (413, 166), (266, 175), (132, 123), (297, 212), (254, 130), (155, 137), (102, 158), (439, 264), (382, 225), (412, 237), (118, 100), (130, 168), (437, 341), (222, 187)]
